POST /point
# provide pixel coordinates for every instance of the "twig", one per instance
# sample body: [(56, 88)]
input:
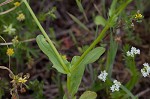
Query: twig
[(10, 43), (3, 67), (6, 2), (7, 11)]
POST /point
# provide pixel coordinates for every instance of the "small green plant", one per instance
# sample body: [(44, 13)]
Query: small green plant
[(37, 88), (74, 69)]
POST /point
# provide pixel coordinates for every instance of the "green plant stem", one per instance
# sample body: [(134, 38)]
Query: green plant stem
[(46, 36), (102, 34), (128, 92)]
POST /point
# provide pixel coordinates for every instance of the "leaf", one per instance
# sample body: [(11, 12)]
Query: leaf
[(76, 75), (78, 22), (93, 55), (112, 7), (111, 54), (99, 20), (46, 48), (76, 78), (74, 59), (88, 95), (80, 5)]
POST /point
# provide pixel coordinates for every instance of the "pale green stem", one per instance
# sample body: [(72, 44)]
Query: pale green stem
[(46, 36), (101, 35)]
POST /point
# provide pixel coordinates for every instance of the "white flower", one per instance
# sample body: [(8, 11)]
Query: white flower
[(137, 51), (133, 52), (146, 64), (128, 53), (116, 82), (115, 86), (9, 29), (103, 75), (145, 70), (112, 88)]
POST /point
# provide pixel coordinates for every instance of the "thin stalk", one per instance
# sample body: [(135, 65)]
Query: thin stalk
[(4, 40), (102, 34), (6, 2), (3, 67), (46, 36), (7, 47), (9, 61), (100, 37)]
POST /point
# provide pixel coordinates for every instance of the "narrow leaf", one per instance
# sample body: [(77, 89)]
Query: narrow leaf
[(80, 5), (47, 50), (112, 7), (111, 54), (76, 75), (78, 22), (93, 55)]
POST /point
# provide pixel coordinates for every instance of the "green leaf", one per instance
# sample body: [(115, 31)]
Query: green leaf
[(75, 78), (76, 75), (88, 95), (111, 54), (78, 22), (80, 5), (46, 48), (112, 7), (74, 59), (37, 88), (99, 20), (93, 55)]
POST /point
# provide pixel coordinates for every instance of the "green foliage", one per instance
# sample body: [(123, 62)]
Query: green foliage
[(3, 86), (111, 56), (78, 22), (99, 20), (112, 8), (37, 88), (47, 49), (130, 63), (88, 95), (50, 14), (80, 5), (75, 77), (93, 55), (74, 69)]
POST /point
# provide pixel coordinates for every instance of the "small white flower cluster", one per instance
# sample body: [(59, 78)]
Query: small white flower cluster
[(115, 86), (146, 70), (103, 76), (133, 52)]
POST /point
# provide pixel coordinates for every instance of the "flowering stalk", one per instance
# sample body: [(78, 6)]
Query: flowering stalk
[(46, 36), (102, 34)]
